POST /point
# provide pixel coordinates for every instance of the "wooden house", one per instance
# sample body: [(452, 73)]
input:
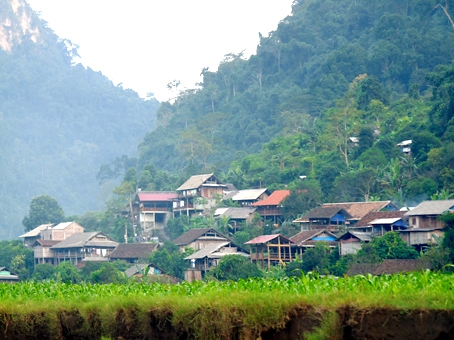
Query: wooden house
[(271, 250), (358, 210), (198, 193), (8, 276), (331, 218), (199, 238), (132, 252), (352, 241), (80, 247), (42, 252), (154, 208), (237, 216), (308, 239), (270, 207), (244, 198), (365, 224), (209, 256), (30, 237), (425, 215)]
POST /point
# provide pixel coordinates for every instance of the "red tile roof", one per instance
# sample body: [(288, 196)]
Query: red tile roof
[(157, 196), (274, 199)]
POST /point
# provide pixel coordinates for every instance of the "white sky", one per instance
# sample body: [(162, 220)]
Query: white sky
[(145, 44)]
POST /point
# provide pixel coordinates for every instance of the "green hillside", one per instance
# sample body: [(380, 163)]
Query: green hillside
[(59, 121), (377, 70)]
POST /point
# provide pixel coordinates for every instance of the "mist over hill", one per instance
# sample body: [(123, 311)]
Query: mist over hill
[(59, 121)]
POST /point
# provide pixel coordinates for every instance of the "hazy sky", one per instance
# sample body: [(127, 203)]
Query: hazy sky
[(145, 44)]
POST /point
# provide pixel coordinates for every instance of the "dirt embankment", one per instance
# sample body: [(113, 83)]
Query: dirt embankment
[(343, 323)]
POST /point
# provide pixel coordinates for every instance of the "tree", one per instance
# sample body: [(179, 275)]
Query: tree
[(43, 209), (235, 267), (170, 259), (66, 272), (448, 239), (108, 274), (43, 271), (388, 246)]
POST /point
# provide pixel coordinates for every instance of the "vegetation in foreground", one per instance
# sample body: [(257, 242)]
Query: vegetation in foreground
[(211, 309)]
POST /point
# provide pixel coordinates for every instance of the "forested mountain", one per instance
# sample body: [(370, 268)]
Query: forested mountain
[(303, 66), (59, 121)]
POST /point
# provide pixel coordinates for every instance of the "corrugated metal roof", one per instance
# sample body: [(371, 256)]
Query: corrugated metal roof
[(133, 250), (210, 248), (374, 215), (80, 240), (274, 199), (62, 225), (266, 238), (239, 213), (431, 208), (194, 234), (248, 195), (196, 181), (146, 196), (35, 232), (385, 221)]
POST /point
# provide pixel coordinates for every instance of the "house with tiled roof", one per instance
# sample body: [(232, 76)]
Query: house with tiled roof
[(199, 238), (153, 209), (425, 215), (365, 223), (132, 252), (92, 246), (327, 217), (209, 257), (270, 207), (269, 250), (358, 210), (308, 239), (198, 193)]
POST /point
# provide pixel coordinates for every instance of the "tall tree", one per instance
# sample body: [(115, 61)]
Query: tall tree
[(43, 209)]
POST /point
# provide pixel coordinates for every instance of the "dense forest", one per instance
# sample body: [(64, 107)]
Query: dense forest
[(59, 121), (379, 71)]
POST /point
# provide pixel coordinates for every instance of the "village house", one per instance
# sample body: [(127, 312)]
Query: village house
[(424, 223), (270, 207), (236, 216), (7, 276), (43, 253), (270, 250), (199, 238), (197, 194), (244, 198), (30, 237), (132, 252), (308, 239), (209, 257), (366, 225), (323, 217), (154, 208), (352, 241), (92, 246), (61, 231)]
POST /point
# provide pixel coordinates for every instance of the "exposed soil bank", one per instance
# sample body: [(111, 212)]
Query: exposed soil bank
[(132, 323)]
